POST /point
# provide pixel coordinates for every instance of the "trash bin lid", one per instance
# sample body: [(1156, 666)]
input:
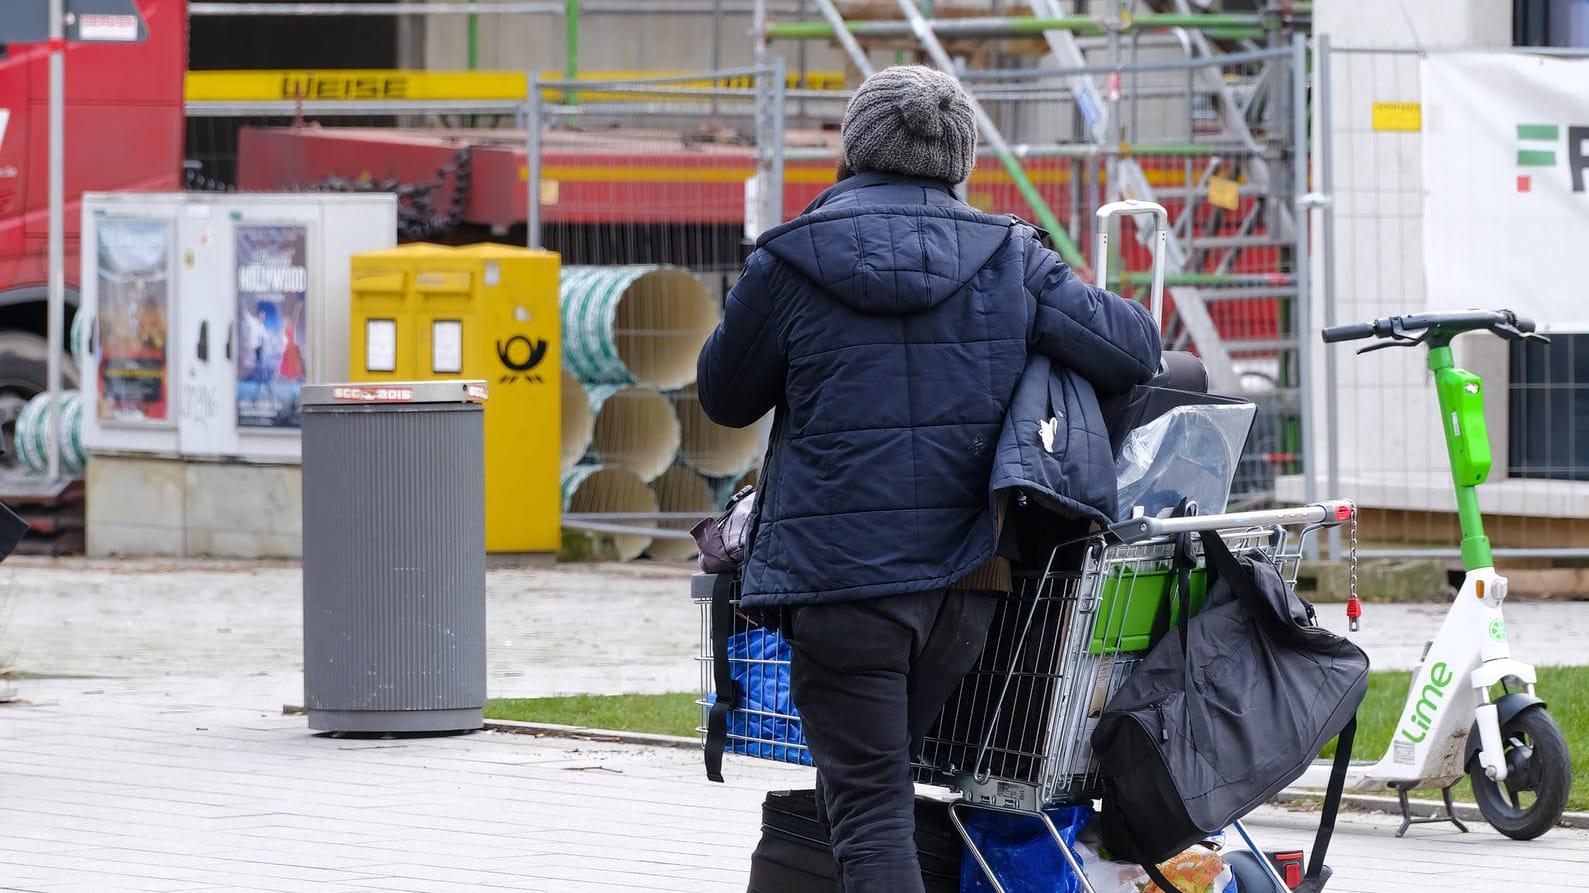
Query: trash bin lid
[(452, 391)]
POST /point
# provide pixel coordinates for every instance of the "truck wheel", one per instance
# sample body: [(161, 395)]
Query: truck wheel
[(24, 360)]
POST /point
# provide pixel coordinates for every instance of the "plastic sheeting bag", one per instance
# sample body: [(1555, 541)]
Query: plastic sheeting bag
[(1188, 452), (1021, 852), (1198, 869)]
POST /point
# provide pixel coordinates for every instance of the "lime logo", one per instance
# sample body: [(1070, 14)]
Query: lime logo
[(1536, 148), (1498, 630), (1416, 727)]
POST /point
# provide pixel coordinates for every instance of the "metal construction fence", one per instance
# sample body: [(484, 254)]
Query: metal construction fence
[(682, 172), (1379, 438), (1214, 138), (663, 182)]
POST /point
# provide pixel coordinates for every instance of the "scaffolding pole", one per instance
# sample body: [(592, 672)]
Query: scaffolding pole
[(1056, 150), (852, 47), (1303, 316), (1062, 44), (1221, 25)]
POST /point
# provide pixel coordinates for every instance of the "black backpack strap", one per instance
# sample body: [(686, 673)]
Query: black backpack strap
[(1181, 597), (1158, 876), (1196, 712), (727, 689), (1239, 578), (1183, 561), (1318, 872), (1227, 568)]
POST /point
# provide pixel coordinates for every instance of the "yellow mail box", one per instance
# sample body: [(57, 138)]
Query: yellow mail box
[(488, 312)]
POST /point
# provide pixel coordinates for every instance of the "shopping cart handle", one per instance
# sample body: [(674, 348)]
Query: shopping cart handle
[(1326, 514)]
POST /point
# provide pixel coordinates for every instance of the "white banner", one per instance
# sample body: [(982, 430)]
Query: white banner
[(1506, 185)]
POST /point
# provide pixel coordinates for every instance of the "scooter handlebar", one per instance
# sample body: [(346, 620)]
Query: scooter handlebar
[(1349, 332), (1407, 327)]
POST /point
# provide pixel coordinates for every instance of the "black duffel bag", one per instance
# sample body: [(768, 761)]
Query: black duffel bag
[(1220, 717)]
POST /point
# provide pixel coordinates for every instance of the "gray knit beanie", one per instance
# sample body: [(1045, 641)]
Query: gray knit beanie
[(912, 120)]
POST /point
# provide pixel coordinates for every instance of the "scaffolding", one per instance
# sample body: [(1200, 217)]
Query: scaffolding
[(1204, 112)]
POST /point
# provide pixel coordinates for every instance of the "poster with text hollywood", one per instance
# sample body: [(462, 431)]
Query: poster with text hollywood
[(272, 286), (134, 303)]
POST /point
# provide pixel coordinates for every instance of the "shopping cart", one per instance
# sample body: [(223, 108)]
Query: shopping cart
[(1015, 735)]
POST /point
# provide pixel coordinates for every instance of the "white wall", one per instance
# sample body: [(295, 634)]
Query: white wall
[(607, 42), (1428, 23)]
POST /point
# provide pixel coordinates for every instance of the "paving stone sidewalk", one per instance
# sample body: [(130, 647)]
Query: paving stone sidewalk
[(154, 755), (554, 629)]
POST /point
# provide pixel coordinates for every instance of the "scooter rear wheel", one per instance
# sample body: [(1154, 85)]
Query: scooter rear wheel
[(1539, 773)]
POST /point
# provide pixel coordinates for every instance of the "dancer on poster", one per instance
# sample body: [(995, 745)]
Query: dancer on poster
[(272, 288)]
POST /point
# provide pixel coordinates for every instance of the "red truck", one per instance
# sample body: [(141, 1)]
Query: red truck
[(124, 128)]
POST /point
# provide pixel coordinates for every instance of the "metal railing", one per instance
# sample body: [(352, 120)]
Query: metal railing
[(622, 177)]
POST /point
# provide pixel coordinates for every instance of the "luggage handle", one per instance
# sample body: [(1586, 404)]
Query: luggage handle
[(1161, 239)]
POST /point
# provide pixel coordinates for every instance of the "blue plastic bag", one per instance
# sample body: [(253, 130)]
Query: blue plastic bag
[(1021, 852), (765, 723)]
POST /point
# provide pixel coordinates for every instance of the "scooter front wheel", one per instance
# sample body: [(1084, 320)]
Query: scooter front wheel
[(1538, 776)]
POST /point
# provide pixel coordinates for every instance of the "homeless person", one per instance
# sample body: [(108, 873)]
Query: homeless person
[(887, 326)]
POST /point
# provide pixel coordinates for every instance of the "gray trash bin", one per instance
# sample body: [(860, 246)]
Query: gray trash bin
[(394, 622)]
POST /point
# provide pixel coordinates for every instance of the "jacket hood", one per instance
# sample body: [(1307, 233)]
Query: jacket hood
[(889, 245)]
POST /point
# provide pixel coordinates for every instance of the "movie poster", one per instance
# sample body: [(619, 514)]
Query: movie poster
[(272, 286), (134, 302)]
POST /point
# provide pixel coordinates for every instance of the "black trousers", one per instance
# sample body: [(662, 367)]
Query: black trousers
[(869, 678)]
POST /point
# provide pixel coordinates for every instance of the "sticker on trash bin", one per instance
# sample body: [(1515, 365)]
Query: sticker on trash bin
[(477, 391), (373, 395)]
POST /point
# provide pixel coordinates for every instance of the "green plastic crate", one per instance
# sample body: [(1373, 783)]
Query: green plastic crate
[(1129, 603)]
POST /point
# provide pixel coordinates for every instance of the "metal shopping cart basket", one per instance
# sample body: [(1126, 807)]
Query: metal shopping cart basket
[(1015, 735), (745, 704)]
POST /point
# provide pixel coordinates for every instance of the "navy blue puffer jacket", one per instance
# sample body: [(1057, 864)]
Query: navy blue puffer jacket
[(889, 325)]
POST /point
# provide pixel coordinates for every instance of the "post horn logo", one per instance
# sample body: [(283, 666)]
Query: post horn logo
[(519, 355)]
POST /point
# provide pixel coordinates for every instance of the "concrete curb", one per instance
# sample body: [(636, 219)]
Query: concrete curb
[(1468, 812), (550, 730), (1359, 802)]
